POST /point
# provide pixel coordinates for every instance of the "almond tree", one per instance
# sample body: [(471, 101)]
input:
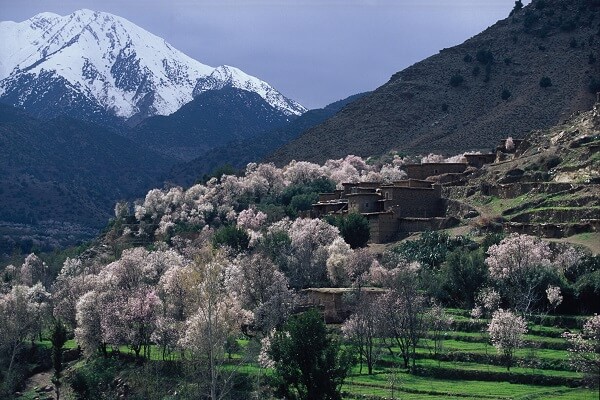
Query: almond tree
[(309, 240), (520, 264), (584, 350), (218, 316), (507, 330), (364, 330), (33, 271), (402, 305), (20, 312), (259, 286)]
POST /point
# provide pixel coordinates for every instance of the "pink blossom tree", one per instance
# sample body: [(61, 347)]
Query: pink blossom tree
[(402, 305)]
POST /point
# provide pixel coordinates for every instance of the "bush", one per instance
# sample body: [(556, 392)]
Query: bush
[(456, 80), (231, 236), (594, 86), (528, 379), (354, 228), (518, 6), (573, 43), (476, 70), (506, 94), (468, 58), (545, 82), (484, 56)]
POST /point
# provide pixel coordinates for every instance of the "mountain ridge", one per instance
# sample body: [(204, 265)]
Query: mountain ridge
[(107, 66), (471, 95)]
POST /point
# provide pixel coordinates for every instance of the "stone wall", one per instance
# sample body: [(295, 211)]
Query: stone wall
[(364, 203), (383, 227), (423, 171), (413, 202)]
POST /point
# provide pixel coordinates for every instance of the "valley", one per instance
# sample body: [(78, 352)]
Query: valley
[(171, 230)]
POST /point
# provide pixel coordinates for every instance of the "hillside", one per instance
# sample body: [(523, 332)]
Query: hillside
[(550, 187), (61, 178), (212, 119), (239, 153), (469, 96)]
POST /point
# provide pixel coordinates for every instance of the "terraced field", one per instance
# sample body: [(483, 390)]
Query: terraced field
[(468, 367)]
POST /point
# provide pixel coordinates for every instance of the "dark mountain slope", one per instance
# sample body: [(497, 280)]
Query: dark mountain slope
[(212, 119), (471, 95), (239, 153), (67, 171)]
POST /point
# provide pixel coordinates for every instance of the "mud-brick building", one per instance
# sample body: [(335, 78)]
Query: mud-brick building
[(424, 171), (404, 206), (334, 301), (479, 160)]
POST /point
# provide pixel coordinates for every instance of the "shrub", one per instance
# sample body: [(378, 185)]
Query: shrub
[(545, 82), (573, 43), (354, 228), (468, 58), (484, 56), (506, 94), (476, 70), (232, 236), (591, 58), (456, 80), (445, 107), (518, 6), (594, 86)]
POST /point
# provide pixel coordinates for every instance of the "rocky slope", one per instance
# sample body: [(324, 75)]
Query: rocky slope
[(469, 96)]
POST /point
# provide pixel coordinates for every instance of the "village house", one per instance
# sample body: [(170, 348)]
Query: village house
[(333, 302), (411, 205), (403, 206)]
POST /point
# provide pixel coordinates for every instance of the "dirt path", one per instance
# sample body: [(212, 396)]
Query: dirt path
[(39, 384)]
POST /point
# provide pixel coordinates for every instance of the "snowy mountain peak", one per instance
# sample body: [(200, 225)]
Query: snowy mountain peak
[(111, 65), (227, 76)]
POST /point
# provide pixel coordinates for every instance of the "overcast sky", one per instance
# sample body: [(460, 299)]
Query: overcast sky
[(313, 51)]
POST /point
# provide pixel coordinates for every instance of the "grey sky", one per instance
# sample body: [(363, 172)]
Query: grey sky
[(314, 51)]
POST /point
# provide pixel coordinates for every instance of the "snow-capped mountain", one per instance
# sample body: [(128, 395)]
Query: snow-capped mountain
[(95, 64)]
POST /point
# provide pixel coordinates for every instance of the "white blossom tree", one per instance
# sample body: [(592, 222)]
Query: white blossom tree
[(507, 330), (218, 316), (364, 330), (22, 311), (584, 350), (520, 264)]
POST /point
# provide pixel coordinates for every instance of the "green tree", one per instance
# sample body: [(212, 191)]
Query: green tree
[(462, 275), (545, 82), (518, 6), (353, 227), (309, 364), (59, 338), (232, 236)]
